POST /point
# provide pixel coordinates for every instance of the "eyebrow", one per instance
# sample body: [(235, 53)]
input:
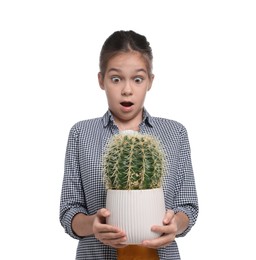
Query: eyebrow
[(118, 70)]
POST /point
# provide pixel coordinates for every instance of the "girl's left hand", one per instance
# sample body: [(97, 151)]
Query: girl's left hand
[(168, 231)]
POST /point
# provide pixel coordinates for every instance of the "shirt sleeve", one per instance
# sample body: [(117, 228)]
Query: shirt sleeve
[(72, 195), (186, 199)]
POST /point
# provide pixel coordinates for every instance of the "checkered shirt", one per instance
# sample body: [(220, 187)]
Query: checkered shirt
[(83, 188)]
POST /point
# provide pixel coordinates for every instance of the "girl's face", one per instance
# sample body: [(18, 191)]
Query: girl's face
[(126, 83)]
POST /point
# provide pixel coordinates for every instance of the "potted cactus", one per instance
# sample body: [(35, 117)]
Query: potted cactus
[(134, 166)]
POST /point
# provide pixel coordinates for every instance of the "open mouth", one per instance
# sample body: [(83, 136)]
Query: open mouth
[(126, 104)]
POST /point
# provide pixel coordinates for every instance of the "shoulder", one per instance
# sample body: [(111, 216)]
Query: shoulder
[(86, 126), (88, 123), (170, 132), (167, 124)]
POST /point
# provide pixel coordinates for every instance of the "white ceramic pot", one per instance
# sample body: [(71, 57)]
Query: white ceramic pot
[(135, 212)]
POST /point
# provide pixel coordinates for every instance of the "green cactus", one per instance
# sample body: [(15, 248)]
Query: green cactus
[(133, 162)]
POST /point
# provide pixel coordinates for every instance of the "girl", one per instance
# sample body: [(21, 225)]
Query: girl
[(126, 77)]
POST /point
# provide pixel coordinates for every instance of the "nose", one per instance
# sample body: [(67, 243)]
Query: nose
[(127, 89)]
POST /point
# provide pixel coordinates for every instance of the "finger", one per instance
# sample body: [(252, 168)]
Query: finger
[(159, 242), (114, 241), (117, 245), (167, 229), (168, 217), (103, 213), (113, 238), (112, 233), (107, 229)]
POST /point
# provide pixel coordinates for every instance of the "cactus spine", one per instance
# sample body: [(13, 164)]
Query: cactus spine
[(133, 161)]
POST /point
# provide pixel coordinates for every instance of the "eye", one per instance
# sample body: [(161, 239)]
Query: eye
[(115, 79), (138, 79)]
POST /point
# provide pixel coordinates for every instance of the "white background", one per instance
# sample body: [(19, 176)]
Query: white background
[(205, 69)]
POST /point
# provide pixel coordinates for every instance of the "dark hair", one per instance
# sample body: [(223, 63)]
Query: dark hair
[(125, 41)]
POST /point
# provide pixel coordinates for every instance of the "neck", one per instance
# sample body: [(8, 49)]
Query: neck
[(123, 128), (129, 124)]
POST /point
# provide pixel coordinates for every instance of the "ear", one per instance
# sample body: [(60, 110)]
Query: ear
[(100, 80), (151, 81)]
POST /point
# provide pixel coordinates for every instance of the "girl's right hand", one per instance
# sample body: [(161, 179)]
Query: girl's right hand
[(107, 234)]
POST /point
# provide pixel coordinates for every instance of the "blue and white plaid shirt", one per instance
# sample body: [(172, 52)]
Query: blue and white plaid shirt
[(83, 187)]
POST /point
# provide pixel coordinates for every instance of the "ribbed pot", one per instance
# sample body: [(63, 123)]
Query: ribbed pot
[(135, 212)]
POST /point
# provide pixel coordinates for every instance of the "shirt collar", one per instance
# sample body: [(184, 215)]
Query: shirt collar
[(109, 119)]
